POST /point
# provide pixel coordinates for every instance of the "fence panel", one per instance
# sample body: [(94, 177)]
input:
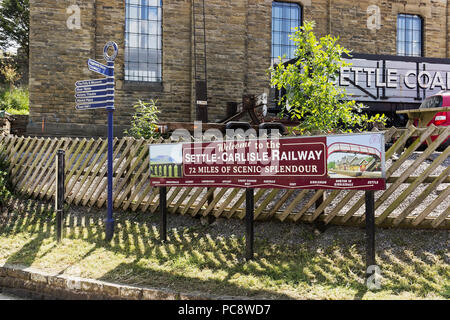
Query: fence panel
[(417, 193)]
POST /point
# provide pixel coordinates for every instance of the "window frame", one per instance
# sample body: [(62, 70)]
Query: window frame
[(153, 85), (404, 42), (273, 58)]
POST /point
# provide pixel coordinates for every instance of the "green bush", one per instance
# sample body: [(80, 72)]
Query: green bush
[(14, 101), (145, 121)]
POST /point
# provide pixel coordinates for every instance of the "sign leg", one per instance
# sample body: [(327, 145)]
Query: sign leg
[(370, 230), (163, 212), (249, 217), (320, 224), (109, 218)]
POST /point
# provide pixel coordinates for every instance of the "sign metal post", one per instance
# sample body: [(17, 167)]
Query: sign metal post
[(95, 94), (109, 218), (249, 221), (370, 230)]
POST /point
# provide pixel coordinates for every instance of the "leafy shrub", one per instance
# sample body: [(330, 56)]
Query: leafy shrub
[(14, 101), (10, 74), (144, 122)]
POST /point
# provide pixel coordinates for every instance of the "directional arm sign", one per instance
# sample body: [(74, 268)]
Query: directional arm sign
[(95, 82), (94, 88), (96, 93), (100, 68), (89, 94), (94, 100), (94, 105)]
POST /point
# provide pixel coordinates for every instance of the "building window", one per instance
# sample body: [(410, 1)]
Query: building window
[(285, 17), (409, 35), (143, 42)]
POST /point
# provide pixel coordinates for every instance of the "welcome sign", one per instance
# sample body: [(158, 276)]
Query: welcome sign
[(353, 161)]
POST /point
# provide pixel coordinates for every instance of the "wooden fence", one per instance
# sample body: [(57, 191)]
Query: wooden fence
[(417, 193)]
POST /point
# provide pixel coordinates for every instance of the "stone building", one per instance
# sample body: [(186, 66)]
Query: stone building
[(156, 50)]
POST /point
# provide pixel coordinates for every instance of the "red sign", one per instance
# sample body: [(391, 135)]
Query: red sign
[(328, 162)]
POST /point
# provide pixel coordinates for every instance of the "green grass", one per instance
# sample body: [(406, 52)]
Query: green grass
[(17, 112), (15, 101), (196, 259)]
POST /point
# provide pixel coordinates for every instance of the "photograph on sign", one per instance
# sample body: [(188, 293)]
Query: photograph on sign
[(355, 156), (324, 162), (166, 160)]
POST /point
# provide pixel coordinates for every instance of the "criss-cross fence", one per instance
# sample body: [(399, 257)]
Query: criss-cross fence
[(417, 193)]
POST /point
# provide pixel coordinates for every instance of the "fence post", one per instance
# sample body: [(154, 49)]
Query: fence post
[(370, 230), (249, 217), (59, 198)]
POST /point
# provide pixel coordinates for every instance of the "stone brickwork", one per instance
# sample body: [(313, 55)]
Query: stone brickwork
[(5, 126), (19, 124), (32, 283), (238, 53)]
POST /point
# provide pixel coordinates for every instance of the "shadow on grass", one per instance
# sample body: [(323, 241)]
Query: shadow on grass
[(194, 259), (20, 215)]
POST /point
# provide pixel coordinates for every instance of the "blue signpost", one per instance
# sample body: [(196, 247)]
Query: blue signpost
[(99, 93)]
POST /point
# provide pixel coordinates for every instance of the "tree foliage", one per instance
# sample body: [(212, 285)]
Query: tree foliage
[(312, 95), (15, 24)]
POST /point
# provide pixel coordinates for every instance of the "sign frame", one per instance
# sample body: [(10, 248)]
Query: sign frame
[(296, 165)]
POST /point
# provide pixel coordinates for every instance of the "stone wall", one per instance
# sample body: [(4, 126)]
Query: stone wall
[(238, 53), (19, 124), (13, 124), (5, 125), (35, 284)]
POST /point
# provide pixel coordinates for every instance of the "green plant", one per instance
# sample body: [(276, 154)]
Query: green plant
[(5, 183), (144, 123), (312, 94), (15, 101)]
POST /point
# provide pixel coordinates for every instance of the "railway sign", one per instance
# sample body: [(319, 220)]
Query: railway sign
[(347, 162), (321, 162)]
